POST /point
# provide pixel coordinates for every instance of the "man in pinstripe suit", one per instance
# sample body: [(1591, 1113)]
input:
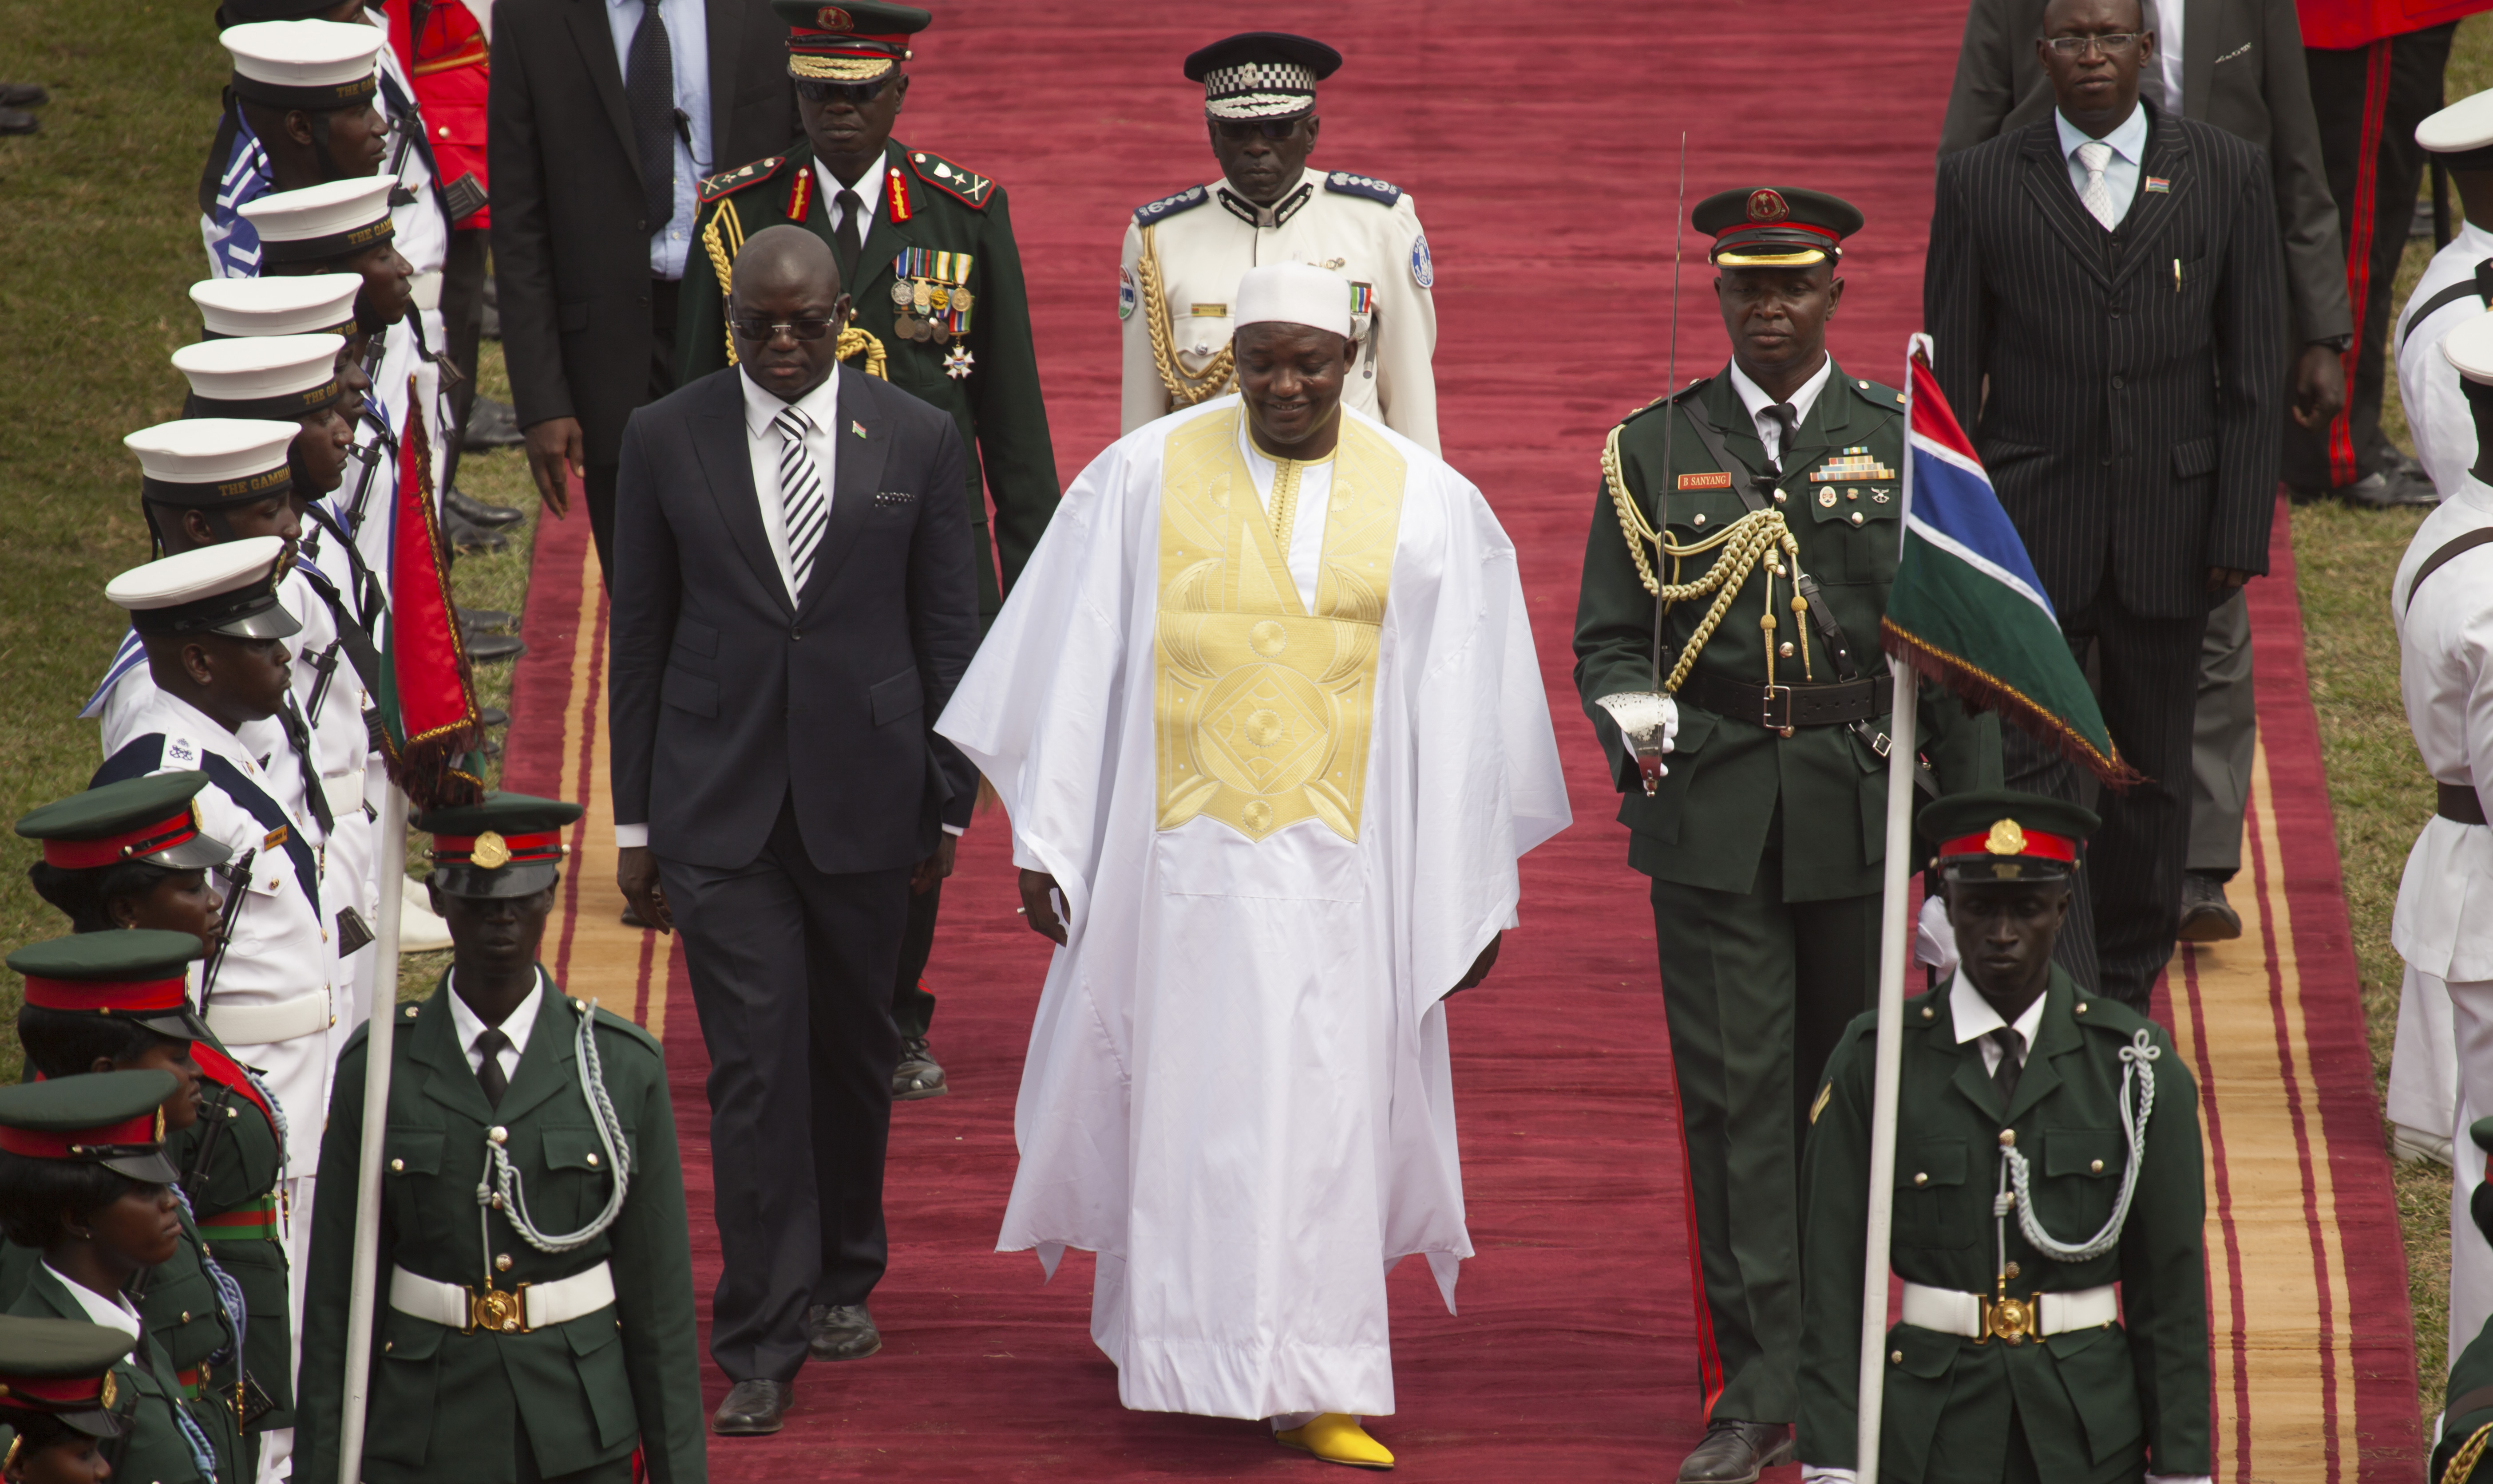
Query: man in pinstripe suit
[(2107, 290)]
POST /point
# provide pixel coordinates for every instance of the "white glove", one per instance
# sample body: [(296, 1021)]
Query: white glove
[(1811, 1473), (1934, 938)]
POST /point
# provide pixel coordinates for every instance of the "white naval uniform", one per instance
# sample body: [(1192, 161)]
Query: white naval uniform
[(1206, 238), (2428, 385), (422, 230), (2442, 926)]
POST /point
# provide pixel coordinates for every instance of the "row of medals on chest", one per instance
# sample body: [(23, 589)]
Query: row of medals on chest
[(930, 304)]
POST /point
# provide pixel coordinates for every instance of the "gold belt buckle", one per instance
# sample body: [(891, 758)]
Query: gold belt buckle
[(2013, 1319), (491, 1309)]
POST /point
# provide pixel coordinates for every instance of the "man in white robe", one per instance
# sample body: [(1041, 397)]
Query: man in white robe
[(1266, 714)]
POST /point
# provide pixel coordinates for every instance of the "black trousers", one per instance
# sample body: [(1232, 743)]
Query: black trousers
[(2368, 101), (790, 970), (462, 313), (598, 479), (2128, 895), (913, 1009)]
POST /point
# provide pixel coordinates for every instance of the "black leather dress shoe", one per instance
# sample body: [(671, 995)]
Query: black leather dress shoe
[(492, 648), (491, 423), (477, 512), (2207, 917), (493, 716), (23, 95), (467, 536), (752, 1409), (1734, 1452), (841, 1332), (918, 1074), (484, 618)]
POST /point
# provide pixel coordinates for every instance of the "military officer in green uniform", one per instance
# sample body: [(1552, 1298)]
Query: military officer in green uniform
[(129, 855), (1762, 503), (549, 1334), (2467, 1413), (57, 1406), (926, 254), (84, 1182), (2047, 1150)]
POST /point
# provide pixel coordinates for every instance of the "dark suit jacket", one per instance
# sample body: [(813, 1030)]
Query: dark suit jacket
[(571, 252), (2242, 70), (2134, 378), (724, 699)]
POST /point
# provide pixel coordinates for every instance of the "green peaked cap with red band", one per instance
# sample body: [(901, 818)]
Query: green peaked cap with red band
[(148, 819), (140, 975), (63, 1368), (109, 1118), (2002, 835)]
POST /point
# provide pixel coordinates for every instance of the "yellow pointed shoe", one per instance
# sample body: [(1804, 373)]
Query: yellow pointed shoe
[(1336, 1438)]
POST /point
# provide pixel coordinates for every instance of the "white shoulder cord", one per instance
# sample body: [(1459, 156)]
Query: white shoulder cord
[(500, 1189), (2139, 1051)]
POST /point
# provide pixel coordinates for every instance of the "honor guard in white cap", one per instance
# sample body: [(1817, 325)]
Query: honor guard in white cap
[(218, 641), (1178, 282), (2456, 287), (344, 226), (2440, 1075), (313, 83), (322, 304)]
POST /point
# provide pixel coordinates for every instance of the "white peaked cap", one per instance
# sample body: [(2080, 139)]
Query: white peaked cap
[(331, 208), (261, 367), (2470, 348), (2465, 125), (203, 572), (300, 306), (1295, 293), (304, 53), (211, 450)]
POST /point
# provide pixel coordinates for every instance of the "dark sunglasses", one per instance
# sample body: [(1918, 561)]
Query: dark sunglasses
[(1240, 130), (817, 90), (767, 329)]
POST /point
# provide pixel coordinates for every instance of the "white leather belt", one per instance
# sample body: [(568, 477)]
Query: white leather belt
[(1976, 1317), (344, 793), (427, 288), (265, 1025), (511, 1312)]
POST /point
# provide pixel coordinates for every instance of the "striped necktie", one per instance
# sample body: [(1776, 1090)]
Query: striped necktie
[(802, 504)]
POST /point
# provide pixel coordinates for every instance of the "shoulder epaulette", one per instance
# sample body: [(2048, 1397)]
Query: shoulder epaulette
[(607, 1020), (1886, 397), (1682, 394), (968, 187), (728, 182), (1168, 206), (1382, 193), (2105, 1014)]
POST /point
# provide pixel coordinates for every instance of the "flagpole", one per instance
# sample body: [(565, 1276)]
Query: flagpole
[(1870, 1393), (361, 1309)]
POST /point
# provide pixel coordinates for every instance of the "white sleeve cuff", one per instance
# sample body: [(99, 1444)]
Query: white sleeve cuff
[(956, 830), (2179, 1478), (1811, 1473), (631, 836)]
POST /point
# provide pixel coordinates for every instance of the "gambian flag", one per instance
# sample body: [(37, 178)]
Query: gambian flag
[(428, 703), (1966, 609)]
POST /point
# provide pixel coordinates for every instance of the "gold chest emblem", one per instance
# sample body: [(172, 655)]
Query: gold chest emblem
[(1262, 710), (2005, 838)]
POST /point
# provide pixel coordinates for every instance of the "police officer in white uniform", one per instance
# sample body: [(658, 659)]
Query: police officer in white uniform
[(216, 637), (1185, 253), (2442, 602), (2456, 287)]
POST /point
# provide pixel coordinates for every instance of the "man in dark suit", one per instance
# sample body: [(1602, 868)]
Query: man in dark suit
[(793, 606), (2108, 296), (602, 116), (2237, 63)]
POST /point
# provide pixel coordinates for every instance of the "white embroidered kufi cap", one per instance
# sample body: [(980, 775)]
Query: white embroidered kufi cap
[(1294, 293)]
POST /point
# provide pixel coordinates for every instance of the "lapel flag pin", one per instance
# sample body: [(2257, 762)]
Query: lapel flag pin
[(2158, 185), (857, 428)]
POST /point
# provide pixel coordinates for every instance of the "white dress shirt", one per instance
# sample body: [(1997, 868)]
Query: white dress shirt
[(869, 194), (688, 47), (112, 1313), (1975, 1018), (2122, 173), (762, 446), (1754, 398), (1308, 528), (515, 1026)]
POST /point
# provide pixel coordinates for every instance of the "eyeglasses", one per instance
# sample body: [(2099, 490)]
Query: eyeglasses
[(770, 329), (816, 90), (1240, 130), (2078, 45)]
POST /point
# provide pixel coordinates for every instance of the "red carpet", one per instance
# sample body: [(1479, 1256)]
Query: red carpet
[(1539, 146)]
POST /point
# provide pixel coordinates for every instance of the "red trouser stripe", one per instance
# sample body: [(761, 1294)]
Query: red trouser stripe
[(2362, 220)]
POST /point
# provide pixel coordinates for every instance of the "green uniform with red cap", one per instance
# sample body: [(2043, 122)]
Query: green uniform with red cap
[(231, 1160), (495, 1358), (55, 1391), (2459, 1457), (1764, 840), (2016, 1358), (111, 1120)]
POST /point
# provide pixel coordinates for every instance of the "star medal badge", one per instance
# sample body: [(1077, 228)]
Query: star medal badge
[(900, 293), (957, 361)]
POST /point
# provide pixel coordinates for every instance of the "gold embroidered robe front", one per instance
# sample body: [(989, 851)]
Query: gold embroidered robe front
[(1284, 827)]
